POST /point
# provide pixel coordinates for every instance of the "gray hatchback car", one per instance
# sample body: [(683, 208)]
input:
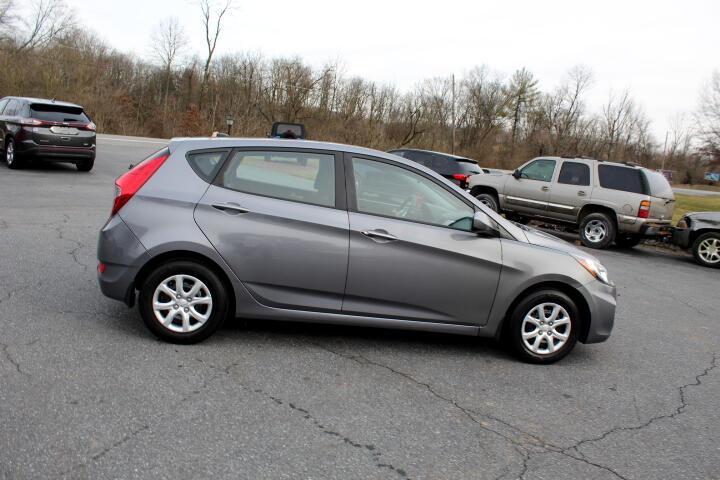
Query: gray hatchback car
[(295, 230)]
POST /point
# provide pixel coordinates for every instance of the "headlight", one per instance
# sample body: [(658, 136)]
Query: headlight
[(594, 268)]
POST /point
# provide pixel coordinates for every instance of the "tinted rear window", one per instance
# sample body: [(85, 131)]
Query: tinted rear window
[(468, 167), (658, 185), (621, 178), (58, 113)]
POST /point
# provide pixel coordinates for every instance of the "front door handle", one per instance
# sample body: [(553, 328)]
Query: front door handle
[(581, 193), (379, 234), (545, 189), (230, 207)]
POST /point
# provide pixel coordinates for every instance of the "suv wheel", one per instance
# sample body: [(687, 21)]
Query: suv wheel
[(597, 230), (544, 327), (11, 157), (183, 302), (627, 241), (85, 165), (706, 250), (489, 200)]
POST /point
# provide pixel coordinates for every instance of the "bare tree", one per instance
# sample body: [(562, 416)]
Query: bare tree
[(46, 21), (169, 41), (212, 18), (521, 93), (708, 119), (7, 16)]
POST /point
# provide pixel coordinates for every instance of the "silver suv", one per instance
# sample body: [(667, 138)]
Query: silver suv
[(319, 232), (609, 202)]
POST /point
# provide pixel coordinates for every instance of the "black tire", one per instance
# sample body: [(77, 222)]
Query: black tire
[(516, 326), (711, 239), (597, 222), (215, 288), (85, 165), (627, 240), (489, 200), (13, 160)]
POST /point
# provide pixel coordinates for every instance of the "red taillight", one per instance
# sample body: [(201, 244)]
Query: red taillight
[(129, 183), (460, 176), (644, 210), (101, 267), (31, 121), (90, 126)]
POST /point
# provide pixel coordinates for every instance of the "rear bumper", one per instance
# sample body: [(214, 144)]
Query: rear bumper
[(601, 300), (123, 256), (55, 153), (646, 227)]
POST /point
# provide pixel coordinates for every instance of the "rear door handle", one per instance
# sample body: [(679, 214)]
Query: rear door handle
[(376, 234), (581, 193), (545, 189), (230, 207)]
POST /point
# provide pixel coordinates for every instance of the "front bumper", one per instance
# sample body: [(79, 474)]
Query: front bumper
[(601, 300), (123, 255), (681, 237)]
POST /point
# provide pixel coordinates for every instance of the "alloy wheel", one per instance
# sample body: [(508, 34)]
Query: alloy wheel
[(182, 303), (595, 231), (10, 153), (709, 250), (546, 328)]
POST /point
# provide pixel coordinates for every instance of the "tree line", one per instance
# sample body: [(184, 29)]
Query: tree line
[(499, 121)]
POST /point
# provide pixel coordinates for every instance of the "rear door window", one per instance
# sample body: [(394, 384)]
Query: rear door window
[(625, 179), (297, 176), (3, 104), (58, 113), (443, 165), (574, 173), (12, 107)]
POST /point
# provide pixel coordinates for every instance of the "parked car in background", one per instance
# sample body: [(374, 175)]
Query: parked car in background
[(320, 232), (454, 168), (700, 232), (607, 201), (46, 130)]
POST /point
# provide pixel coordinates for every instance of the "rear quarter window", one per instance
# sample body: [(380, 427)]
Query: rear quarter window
[(206, 164), (625, 179)]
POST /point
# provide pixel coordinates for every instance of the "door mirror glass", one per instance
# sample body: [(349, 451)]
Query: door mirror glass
[(483, 224)]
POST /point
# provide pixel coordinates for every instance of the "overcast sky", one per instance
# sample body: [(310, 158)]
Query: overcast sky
[(662, 51)]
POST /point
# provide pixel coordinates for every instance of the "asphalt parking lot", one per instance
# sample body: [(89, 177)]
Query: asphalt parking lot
[(87, 392)]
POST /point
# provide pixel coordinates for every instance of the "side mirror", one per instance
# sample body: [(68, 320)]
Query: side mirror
[(482, 224), (516, 174)]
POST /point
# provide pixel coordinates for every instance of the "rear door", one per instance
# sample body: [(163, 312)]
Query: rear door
[(530, 193), (662, 203), (412, 254), (61, 126), (571, 190), (279, 220)]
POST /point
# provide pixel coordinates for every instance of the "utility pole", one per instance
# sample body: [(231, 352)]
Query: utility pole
[(662, 165), (452, 150)]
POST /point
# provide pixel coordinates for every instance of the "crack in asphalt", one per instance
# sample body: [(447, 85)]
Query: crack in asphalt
[(678, 411), (11, 293), (10, 359), (367, 448), (521, 444), (78, 244)]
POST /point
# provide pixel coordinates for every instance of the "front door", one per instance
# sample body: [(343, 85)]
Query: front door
[(530, 193), (278, 218), (412, 254)]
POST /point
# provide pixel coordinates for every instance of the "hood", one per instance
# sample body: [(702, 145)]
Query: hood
[(544, 239)]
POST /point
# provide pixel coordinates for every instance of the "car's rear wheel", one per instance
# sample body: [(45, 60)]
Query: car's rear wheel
[(11, 157), (706, 250), (85, 165), (183, 302), (627, 241), (597, 230), (544, 327), (489, 200)]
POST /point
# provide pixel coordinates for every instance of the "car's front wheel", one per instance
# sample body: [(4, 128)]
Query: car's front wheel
[(544, 327), (706, 250), (183, 302)]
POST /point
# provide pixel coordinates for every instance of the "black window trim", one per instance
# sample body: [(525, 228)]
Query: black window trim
[(576, 163), (352, 197), (211, 181), (340, 194)]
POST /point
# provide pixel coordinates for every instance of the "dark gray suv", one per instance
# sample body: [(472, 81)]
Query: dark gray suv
[(307, 231)]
